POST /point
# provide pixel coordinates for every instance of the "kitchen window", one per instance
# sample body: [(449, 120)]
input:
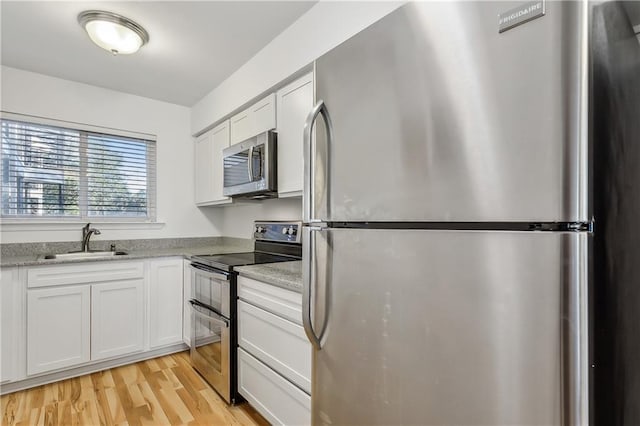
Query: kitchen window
[(58, 172)]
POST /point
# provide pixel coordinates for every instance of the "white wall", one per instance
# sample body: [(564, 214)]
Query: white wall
[(35, 94), (323, 27), (237, 219)]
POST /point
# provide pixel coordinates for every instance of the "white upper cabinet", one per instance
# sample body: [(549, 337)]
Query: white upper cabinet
[(256, 119), (209, 171), (294, 102), (117, 323), (204, 167), (165, 301)]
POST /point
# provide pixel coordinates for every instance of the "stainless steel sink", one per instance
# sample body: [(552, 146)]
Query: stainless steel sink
[(85, 255)]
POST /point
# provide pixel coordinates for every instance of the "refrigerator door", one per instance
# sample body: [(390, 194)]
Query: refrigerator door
[(449, 327), (438, 117)]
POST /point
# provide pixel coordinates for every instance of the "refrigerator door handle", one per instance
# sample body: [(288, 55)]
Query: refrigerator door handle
[(309, 143), (308, 285), (576, 330)]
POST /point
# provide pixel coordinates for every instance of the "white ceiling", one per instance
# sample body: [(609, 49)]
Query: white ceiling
[(193, 46)]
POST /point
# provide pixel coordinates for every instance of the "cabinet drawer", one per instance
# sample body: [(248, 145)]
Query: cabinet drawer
[(83, 273), (285, 303), (275, 398), (277, 342)]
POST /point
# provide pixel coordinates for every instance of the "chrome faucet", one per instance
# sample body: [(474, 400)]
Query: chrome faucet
[(86, 235)]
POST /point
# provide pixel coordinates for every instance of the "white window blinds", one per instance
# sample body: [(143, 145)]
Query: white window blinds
[(51, 171)]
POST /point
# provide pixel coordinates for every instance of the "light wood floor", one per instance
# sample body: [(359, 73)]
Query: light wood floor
[(161, 391)]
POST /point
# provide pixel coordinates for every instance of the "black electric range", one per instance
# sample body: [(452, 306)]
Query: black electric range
[(274, 242), (214, 302)]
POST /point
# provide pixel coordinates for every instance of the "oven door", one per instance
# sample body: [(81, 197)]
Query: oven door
[(211, 287), (210, 347), (249, 166)]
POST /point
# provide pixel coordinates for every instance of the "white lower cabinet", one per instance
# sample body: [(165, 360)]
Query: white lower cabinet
[(165, 301), (279, 343), (11, 325), (274, 358), (58, 327), (186, 296), (280, 402), (89, 311), (117, 322)]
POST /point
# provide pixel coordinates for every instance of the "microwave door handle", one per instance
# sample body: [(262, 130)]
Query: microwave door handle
[(250, 164), (261, 161)]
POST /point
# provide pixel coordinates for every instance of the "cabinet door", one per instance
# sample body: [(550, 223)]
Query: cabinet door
[(186, 296), (209, 171), (12, 345), (165, 302), (58, 328), (203, 167), (220, 142), (117, 323), (263, 115), (258, 118), (240, 126), (294, 103)]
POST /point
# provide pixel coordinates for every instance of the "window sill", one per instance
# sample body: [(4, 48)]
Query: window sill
[(9, 225)]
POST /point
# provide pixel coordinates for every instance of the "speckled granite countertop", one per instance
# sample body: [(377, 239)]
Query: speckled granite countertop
[(287, 275), (32, 254)]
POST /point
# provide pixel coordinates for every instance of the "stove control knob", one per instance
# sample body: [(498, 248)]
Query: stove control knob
[(284, 231), (260, 230), (291, 231)]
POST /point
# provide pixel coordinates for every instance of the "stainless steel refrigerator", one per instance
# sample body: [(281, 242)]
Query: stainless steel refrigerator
[(449, 218)]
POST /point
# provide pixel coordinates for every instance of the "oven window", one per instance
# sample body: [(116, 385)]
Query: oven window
[(207, 337)]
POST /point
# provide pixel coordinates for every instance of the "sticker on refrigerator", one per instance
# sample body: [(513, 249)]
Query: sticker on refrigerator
[(521, 14)]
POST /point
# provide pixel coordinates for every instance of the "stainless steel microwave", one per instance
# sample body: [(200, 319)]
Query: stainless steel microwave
[(250, 167)]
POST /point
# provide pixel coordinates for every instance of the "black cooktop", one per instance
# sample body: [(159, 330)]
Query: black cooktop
[(273, 242), (227, 262)]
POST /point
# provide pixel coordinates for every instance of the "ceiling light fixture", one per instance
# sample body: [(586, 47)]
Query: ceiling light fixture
[(113, 32)]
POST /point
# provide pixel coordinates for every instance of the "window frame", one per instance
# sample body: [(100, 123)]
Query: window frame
[(83, 217)]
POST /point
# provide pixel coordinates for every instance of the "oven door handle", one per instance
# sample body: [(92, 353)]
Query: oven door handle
[(204, 271), (216, 319)]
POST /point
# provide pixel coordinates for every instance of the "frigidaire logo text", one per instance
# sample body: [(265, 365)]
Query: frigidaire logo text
[(522, 12), (517, 16)]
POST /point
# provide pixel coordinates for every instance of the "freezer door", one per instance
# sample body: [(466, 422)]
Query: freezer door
[(438, 117), (449, 327)]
